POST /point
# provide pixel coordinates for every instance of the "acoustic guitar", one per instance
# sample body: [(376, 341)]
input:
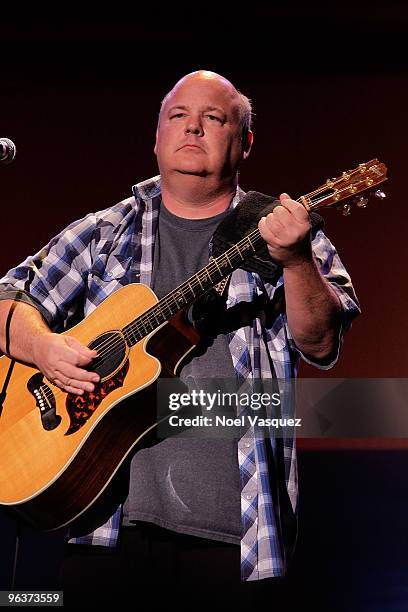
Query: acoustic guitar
[(59, 452)]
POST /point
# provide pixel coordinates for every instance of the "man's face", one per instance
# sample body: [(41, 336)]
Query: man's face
[(199, 132)]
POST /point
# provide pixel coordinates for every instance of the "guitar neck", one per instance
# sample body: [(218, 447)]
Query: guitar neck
[(193, 288), (198, 284)]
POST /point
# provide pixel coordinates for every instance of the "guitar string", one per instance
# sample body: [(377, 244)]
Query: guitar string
[(113, 345), (158, 309), (322, 189), (137, 327), (150, 317)]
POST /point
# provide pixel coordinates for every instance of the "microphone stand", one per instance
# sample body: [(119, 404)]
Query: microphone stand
[(16, 550)]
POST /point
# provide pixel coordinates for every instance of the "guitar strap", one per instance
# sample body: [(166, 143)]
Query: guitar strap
[(243, 219)]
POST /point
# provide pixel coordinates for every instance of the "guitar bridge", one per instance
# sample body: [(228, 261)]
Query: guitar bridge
[(45, 401)]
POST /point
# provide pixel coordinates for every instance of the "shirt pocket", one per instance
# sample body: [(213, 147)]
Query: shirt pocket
[(108, 268)]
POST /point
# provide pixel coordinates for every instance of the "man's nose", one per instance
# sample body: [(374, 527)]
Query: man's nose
[(194, 126)]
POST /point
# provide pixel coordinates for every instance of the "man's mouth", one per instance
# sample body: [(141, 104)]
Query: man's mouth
[(191, 146)]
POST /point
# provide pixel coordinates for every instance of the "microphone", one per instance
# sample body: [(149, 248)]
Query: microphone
[(7, 151)]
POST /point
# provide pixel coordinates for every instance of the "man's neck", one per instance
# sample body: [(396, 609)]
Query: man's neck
[(195, 199)]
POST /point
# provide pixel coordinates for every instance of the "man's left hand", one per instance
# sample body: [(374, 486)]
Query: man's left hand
[(286, 230)]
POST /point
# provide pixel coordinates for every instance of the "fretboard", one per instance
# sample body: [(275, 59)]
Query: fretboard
[(193, 288)]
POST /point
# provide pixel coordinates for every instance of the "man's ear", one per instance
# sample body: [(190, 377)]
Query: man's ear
[(247, 144), (155, 144)]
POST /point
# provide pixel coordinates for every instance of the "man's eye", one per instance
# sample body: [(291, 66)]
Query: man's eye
[(212, 117), (177, 116)]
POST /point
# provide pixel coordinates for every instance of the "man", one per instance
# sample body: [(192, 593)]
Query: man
[(228, 493)]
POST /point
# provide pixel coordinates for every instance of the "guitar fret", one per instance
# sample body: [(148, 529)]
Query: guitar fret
[(155, 316), (158, 315), (249, 240), (201, 287), (237, 247), (132, 334), (192, 290), (180, 299), (219, 269), (150, 323), (200, 283), (167, 305), (148, 320), (228, 259)]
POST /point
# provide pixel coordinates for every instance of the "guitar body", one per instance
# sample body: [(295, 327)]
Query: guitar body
[(59, 452)]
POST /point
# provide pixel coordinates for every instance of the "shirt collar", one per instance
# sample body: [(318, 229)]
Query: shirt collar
[(151, 188)]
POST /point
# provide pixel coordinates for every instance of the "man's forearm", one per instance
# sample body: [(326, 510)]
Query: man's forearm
[(313, 310), (26, 325)]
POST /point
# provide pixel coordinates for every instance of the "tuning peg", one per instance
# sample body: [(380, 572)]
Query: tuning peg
[(380, 194), (362, 202), (346, 209)]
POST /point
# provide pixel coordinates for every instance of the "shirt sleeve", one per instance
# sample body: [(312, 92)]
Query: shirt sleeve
[(335, 273), (54, 279)]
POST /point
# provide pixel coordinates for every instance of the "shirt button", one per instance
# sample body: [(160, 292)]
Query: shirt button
[(248, 496), (247, 445), (239, 347)]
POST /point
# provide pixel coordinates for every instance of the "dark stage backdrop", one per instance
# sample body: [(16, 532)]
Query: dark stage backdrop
[(80, 98)]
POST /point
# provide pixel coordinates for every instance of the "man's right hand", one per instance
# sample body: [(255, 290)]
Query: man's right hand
[(62, 360)]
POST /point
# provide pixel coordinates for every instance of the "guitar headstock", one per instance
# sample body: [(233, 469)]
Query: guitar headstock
[(352, 187)]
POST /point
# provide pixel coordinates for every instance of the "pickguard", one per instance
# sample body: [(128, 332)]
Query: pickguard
[(81, 407)]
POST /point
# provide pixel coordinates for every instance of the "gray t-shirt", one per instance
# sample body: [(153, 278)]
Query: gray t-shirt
[(188, 484)]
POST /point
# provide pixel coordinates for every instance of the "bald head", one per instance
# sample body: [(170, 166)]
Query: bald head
[(203, 131), (243, 104)]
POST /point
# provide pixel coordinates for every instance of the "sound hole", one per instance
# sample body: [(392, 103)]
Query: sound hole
[(112, 351)]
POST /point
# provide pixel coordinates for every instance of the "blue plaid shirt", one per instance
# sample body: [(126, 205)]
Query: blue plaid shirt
[(105, 250)]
